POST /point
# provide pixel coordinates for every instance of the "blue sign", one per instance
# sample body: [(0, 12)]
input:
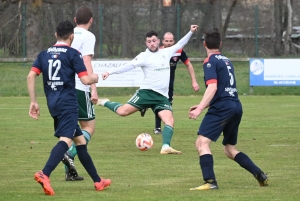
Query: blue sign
[(274, 72)]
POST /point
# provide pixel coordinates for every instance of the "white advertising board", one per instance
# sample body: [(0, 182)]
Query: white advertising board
[(132, 78)]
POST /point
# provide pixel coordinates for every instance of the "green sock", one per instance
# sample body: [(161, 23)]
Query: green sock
[(113, 106), (167, 134), (72, 150)]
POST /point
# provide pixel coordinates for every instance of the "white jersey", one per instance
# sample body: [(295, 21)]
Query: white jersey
[(155, 66), (84, 41)]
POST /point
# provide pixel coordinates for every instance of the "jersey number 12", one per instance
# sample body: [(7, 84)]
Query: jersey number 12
[(53, 65)]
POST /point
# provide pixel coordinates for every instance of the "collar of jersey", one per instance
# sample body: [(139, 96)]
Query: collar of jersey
[(59, 43)]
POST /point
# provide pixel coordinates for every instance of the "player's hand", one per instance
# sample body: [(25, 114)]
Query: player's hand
[(195, 86), (194, 112), (194, 28), (34, 110), (105, 75), (94, 96)]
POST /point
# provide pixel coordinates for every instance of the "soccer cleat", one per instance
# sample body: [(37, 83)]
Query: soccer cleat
[(45, 182), (102, 101), (104, 183), (143, 111), (169, 150), (157, 131), (69, 177), (262, 179), (205, 186), (69, 162)]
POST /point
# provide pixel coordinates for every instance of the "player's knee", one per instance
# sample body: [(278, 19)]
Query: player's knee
[(122, 113), (229, 152)]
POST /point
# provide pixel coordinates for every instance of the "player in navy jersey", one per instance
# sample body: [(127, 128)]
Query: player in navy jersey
[(224, 114), (59, 64), (169, 41)]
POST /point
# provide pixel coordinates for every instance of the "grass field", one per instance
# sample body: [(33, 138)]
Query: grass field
[(269, 134), (13, 82)]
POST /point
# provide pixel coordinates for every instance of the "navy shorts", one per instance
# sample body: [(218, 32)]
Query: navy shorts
[(224, 116), (66, 125)]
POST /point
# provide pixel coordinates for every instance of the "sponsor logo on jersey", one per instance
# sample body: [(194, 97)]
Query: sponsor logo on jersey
[(56, 49), (231, 91)]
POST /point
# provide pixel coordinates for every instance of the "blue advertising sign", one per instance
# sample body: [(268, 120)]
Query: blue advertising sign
[(274, 72)]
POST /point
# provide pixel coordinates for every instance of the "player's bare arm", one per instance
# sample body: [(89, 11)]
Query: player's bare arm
[(210, 91), (89, 79), (191, 71), (87, 59), (34, 110)]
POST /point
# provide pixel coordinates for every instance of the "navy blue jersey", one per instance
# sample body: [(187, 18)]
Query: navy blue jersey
[(59, 64), (218, 68)]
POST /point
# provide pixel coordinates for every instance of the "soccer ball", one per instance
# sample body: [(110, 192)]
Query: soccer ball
[(144, 141)]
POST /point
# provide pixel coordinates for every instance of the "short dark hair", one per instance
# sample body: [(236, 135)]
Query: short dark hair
[(151, 33), (64, 29), (83, 15), (212, 38)]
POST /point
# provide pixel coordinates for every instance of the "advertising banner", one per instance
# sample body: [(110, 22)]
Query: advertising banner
[(132, 78), (274, 72)]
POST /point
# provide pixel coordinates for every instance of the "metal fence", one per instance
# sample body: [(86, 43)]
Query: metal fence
[(120, 30)]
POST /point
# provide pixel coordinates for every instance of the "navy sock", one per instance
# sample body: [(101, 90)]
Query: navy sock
[(207, 166), (245, 162), (87, 162), (157, 121), (55, 157)]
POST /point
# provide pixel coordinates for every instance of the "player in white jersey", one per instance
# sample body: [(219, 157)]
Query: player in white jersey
[(84, 41), (153, 92)]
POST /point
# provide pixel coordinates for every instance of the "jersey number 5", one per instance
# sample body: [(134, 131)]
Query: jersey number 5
[(230, 75), (56, 65)]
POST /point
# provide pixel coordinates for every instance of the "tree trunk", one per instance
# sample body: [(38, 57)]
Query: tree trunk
[(33, 35), (124, 27), (169, 18), (278, 30), (227, 20), (287, 37)]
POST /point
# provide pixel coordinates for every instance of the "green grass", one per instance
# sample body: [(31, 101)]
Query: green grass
[(13, 82), (269, 134)]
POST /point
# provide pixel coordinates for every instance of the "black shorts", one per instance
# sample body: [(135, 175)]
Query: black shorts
[(224, 116)]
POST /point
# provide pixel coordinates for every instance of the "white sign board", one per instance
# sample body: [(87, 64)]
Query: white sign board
[(132, 78), (274, 72)]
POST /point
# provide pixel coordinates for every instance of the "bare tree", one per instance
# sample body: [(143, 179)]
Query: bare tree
[(278, 27), (288, 32), (227, 20)]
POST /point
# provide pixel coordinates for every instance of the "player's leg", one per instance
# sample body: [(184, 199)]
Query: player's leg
[(166, 116), (86, 118), (86, 161), (206, 164), (157, 128), (134, 104), (229, 142), (64, 129)]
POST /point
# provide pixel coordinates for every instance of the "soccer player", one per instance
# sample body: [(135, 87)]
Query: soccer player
[(168, 41), (84, 42), (59, 64), (224, 114), (153, 93)]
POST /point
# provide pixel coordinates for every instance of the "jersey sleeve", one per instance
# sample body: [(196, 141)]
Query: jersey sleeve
[(78, 64), (210, 73), (88, 45), (37, 64), (139, 60), (184, 58)]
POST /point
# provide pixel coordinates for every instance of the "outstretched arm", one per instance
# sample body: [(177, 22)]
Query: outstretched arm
[(127, 67), (183, 41)]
